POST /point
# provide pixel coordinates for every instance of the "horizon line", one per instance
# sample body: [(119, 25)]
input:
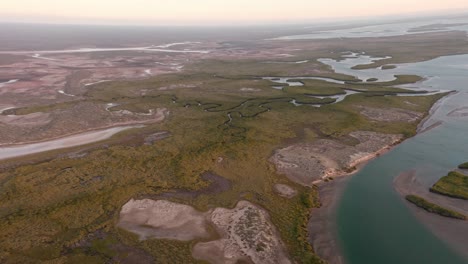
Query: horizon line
[(240, 24)]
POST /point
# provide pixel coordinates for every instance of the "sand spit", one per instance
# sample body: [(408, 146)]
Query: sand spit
[(390, 114), (245, 232), (285, 190), (428, 123), (452, 231), (459, 112), (163, 219), (311, 163)]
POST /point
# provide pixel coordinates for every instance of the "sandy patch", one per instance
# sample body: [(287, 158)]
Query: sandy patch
[(310, 163), (163, 219), (247, 233), (285, 190), (390, 114)]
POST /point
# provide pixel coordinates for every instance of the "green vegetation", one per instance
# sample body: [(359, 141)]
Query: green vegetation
[(463, 166), (64, 210), (455, 185), (434, 208)]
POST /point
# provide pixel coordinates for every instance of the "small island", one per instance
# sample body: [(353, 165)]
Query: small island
[(454, 185), (388, 67), (463, 166), (434, 208)]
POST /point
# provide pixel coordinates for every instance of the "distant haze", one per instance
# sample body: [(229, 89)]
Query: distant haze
[(209, 12)]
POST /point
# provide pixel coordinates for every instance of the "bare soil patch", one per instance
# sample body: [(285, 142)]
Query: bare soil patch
[(309, 163), (246, 232), (163, 219)]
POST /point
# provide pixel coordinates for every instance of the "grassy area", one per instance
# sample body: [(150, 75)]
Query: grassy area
[(64, 210), (463, 166), (455, 185), (434, 208)]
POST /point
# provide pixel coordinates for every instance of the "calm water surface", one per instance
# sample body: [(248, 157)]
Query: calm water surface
[(375, 226)]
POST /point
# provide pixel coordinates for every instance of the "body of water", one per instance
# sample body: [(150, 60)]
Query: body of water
[(388, 29), (374, 223)]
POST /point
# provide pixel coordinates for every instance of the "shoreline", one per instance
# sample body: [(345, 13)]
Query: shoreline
[(450, 231), (359, 163), (322, 226)]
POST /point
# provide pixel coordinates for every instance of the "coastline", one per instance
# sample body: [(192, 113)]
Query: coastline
[(450, 231), (322, 226), (423, 126)]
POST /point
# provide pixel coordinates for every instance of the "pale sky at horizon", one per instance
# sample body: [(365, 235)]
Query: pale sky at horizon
[(209, 11)]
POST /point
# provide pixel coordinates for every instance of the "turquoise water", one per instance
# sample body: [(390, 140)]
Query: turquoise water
[(374, 224)]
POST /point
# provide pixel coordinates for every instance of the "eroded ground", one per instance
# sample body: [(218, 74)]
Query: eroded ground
[(245, 232), (311, 163)]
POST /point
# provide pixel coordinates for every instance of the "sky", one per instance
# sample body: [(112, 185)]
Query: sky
[(199, 12)]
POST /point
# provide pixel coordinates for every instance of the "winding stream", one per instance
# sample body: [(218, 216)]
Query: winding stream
[(374, 223)]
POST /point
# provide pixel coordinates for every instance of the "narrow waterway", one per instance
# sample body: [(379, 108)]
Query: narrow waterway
[(374, 223)]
